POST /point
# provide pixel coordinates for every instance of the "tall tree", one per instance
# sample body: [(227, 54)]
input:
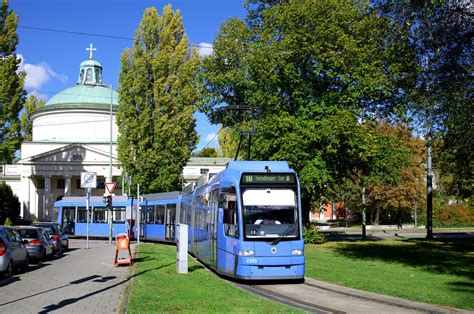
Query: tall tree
[(31, 106), (317, 71), (157, 99), (12, 93), (440, 33)]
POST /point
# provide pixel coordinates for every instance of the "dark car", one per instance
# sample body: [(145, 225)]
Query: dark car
[(39, 245), (60, 240), (13, 252)]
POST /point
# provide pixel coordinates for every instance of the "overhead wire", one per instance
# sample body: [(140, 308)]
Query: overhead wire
[(90, 34)]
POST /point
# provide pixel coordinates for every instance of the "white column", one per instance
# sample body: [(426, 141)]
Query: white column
[(47, 197), (67, 185)]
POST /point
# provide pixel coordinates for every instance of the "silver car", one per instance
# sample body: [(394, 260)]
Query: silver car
[(40, 245), (13, 253)]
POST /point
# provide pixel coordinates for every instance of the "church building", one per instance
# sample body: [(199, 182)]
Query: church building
[(75, 132)]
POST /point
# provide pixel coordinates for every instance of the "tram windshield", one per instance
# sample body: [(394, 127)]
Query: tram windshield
[(270, 213)]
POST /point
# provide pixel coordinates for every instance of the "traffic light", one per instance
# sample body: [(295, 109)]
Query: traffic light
[(107, 200)]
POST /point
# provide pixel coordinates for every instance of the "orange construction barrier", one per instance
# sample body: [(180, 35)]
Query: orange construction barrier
[(123, 243)]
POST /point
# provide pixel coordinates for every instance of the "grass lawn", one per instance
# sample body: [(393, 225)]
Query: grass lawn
[(438, 272), (156, 288)]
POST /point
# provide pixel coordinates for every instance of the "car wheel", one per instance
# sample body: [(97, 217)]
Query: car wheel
[(9, 271)]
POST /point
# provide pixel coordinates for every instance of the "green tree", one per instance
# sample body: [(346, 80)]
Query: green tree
[(9, 204), (31, 106), (400, 197), (11, 86), (207, 152), (440, 35), (317, 72), (157, 98)]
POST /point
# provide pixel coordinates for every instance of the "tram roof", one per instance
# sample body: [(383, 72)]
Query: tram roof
[(249, 165), (161, 196), (81, 200)]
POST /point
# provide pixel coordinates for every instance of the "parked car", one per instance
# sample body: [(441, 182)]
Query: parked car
[(40, 245), (13, 253), (60, 239)]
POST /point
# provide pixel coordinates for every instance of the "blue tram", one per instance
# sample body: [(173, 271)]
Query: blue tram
[(246, 221), (71, 214)]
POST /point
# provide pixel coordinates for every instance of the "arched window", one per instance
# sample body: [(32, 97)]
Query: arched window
[(89, 75), (98, 79), (82, 76)]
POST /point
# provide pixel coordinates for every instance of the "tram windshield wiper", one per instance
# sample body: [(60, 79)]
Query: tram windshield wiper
[(290, 229)]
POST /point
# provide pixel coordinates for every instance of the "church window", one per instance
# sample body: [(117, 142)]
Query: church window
[(82, 76), (89, 75), (98, 79), (204, 170), (40, 183), (60, 184)]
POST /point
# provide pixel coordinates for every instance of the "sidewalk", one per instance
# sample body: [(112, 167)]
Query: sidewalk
[(82, 281)]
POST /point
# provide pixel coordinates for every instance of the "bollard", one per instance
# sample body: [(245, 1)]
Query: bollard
[(182, 248), (123, 243)]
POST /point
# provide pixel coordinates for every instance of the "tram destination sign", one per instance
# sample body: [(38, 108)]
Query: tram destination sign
[(268, 178)]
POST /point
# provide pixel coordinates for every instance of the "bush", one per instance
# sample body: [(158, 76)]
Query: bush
[(8, 222), (311, 234), (9, 204)]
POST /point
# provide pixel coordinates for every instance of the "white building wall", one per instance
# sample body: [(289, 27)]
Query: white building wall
[(74, 126)]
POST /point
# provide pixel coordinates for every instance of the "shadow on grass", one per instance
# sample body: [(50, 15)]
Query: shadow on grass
[(194, 268), (446, 256)]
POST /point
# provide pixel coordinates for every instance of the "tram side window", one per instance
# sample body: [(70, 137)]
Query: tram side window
[(231, 223), (81, 214), (159, 214), (149, 215), (99, 215), (119, 214)]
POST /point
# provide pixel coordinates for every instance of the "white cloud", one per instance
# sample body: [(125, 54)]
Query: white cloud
[(37, 75), (211, 137), (205, 49)]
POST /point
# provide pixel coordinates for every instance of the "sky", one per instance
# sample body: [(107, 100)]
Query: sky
[(51, 59)]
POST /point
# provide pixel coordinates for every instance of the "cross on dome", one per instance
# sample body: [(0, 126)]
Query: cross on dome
[(91, 49)]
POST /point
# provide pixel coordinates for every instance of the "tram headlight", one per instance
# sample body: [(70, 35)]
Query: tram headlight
[(297, 252), (246, 253)]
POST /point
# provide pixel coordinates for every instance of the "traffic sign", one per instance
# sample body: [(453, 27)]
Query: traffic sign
[(88, 180), (110, 187)]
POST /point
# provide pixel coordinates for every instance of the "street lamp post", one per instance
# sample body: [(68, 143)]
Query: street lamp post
[(110, 162)]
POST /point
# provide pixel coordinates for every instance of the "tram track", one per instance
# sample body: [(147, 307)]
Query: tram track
[(319, 297)]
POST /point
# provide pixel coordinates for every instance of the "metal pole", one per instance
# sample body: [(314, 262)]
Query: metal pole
[(138, 213), (110, 162), (429, 188), (364, 232), (87, 218)]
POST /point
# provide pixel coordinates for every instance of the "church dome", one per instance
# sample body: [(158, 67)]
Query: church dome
[(89, 91)]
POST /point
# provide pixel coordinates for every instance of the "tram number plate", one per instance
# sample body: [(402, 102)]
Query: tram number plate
[(252, 260)]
